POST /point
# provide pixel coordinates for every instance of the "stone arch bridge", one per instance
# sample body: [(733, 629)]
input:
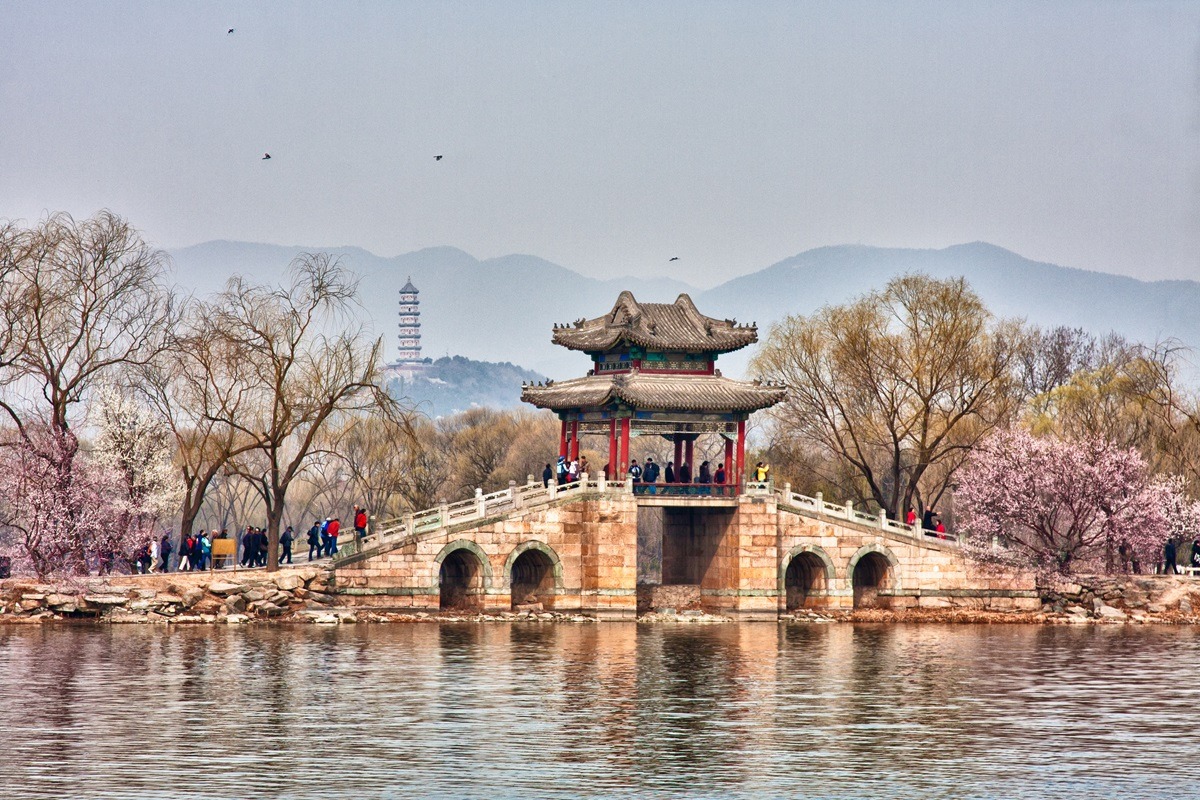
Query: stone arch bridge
[(598, 548)]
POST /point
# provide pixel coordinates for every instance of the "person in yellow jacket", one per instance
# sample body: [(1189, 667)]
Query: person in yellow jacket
[(761, 471)]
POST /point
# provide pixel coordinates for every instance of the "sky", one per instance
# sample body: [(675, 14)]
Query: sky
[(610, 137)]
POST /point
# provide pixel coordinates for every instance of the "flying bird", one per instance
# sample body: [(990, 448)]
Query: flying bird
[(673, 258), (231, 30), (266, 156), (437, 158)]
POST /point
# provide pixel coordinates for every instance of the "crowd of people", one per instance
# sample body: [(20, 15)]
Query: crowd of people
[(931, 522), (646, 477), (196, 550), (1171, 557)]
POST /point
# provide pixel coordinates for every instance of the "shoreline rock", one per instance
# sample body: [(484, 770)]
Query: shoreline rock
[(302, 596)]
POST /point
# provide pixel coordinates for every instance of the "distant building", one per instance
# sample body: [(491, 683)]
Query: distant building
[(409, 362)]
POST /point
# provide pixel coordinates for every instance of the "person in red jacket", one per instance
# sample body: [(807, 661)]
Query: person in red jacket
[(360, 523), (334, 526)]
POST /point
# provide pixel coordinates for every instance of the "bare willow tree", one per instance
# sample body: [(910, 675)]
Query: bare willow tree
[(302, 365), (193, 385), (80, 300), (897, 385), (377, 453)]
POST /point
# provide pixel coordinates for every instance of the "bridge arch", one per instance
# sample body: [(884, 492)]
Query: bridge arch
[(461, 576), (871, 569), (534, 574), (805, 573)]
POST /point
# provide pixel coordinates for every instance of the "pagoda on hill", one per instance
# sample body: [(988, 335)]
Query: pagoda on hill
[(654, 373)]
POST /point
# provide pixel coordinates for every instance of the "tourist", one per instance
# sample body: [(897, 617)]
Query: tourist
[(635, 472), (940, 529), (548, 475), (910, 518), (669, 473), (205, 545), (650, 475), (573, 472), (705, 477), (927, 519), (314, 539), (561, 470), (249, 547), (264, 545), (141, 559), (761, 472), (153, 553), (325, 536), (186, 550), (607, 471), (360, 524), (334, 526), (719, 477), (164, 550), (685, 472), (285, 544), (1195, 560), (583, 466), (1169, 558)]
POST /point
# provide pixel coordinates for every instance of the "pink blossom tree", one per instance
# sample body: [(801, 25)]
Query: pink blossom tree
[(56, 504), (1060, 506)]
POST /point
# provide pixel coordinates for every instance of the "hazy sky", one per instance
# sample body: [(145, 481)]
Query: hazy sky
[(610, 136)]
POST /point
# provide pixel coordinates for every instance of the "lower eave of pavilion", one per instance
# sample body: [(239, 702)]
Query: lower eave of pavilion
[(666, 394)]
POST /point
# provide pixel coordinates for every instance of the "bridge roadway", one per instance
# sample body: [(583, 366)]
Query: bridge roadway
[(601, 548)]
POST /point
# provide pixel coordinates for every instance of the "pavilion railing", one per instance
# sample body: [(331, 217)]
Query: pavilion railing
[(419, 524)]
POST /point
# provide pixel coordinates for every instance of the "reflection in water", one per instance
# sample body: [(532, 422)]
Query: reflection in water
[(612, 710)]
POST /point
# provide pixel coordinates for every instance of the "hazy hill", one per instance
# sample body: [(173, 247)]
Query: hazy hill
[(502, 309), (454, 384)]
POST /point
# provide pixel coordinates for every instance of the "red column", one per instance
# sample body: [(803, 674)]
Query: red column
[(730, 478), (612, 449), (562, 440), (687, 456), (741, 454), (575, 441), (624, 448), (678, 453)]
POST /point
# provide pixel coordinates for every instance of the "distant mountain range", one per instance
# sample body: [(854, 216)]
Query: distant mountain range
[(503, 309)]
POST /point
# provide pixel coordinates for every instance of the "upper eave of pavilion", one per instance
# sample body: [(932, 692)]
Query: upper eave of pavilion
[(408, 287), (701, 393), (660, 327)]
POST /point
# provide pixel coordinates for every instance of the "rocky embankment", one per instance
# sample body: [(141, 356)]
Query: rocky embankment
[(302, 595), (307, 595), (233, 598), (1103, 599)]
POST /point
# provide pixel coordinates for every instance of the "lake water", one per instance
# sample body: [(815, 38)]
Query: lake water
[(532, 710)]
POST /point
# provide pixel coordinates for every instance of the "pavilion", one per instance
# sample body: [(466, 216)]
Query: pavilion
[(654, 373)]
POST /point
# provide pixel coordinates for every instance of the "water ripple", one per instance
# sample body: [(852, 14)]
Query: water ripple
[(612, 710)]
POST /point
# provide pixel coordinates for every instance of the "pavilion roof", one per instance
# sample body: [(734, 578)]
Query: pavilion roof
[(707, 393), (674, 326)]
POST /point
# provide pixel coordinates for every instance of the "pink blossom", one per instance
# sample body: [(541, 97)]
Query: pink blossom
[(1060, 507)]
